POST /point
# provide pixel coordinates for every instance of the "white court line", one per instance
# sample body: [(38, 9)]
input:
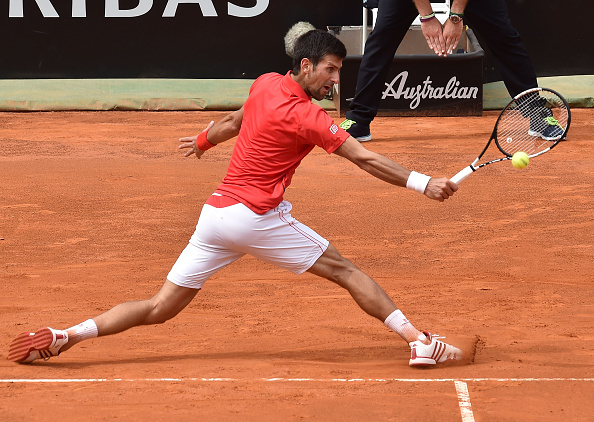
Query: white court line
[(81, 380), (464, 401), (461, 386)]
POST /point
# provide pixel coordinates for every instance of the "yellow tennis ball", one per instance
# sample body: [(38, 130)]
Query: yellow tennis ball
[(520, 160)]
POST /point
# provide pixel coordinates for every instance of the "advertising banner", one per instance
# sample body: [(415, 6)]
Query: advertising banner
[(229, 39), (202, 39)]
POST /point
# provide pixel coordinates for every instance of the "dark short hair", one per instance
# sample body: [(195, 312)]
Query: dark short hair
[(314, 45)]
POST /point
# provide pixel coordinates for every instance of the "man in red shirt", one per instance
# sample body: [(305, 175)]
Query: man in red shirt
[(276, 128)]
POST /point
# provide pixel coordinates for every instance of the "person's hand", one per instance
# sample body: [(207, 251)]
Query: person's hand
[(451, 34), (189, 142), (433, 33), (440, 189)]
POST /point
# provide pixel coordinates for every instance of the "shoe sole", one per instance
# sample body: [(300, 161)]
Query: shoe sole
[(540, 135), (422, 363), (551, 139), (430, 363), (25, 343), (364, 138)]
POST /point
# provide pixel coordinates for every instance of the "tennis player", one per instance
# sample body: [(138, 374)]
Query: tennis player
[(277, 127)]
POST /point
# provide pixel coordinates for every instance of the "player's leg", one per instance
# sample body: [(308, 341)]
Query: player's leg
[(201, 258), (166, 304), (47, 342), (278, 238), (426, 349), (365, 291)]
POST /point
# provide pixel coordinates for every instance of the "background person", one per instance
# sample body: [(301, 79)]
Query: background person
[(489, 18)]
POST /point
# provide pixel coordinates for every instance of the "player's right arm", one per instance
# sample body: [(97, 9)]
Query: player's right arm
[(389, 171), (225, 129)]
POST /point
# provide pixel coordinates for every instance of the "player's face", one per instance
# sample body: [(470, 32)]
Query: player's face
[(321, 78)]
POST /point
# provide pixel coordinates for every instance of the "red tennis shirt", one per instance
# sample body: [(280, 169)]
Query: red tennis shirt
[(280, 127)]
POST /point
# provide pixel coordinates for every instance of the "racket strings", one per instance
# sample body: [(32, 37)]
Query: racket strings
[(532, 123)]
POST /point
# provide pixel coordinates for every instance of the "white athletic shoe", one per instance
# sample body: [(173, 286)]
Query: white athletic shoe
[(43, 344), (423, 355)]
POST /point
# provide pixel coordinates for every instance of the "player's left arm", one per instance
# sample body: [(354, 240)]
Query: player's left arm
[(453, 31), (389, 171), (225, 129)]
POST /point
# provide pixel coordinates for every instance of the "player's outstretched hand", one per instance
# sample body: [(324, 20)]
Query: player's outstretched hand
[(189, 142), (440, 189)]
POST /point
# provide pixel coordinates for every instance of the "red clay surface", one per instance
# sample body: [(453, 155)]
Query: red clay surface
[(96, 207)]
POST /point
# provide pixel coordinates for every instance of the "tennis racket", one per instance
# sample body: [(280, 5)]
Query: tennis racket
[(533, 122)]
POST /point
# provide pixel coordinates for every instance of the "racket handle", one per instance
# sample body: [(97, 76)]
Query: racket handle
[(462, 174)]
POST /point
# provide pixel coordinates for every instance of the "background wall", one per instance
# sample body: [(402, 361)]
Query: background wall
[(557, 34), (188, 45), (219, 46)]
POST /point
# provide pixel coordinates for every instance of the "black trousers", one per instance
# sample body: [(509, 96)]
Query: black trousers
[(488, 18)]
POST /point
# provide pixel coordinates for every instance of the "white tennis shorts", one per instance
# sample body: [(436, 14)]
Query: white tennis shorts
[(224, 235)]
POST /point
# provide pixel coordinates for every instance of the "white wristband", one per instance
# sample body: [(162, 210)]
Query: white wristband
[(417, 182)]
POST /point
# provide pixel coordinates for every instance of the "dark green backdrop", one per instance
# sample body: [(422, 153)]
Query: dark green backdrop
[(190, 45)]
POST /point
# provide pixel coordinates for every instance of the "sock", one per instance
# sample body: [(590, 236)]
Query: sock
[(82, 331), (401, 326)]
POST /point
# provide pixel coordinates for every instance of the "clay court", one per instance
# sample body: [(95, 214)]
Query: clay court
[(95, 207)]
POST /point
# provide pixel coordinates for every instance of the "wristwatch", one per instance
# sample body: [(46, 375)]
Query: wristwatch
[(456, 17)]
